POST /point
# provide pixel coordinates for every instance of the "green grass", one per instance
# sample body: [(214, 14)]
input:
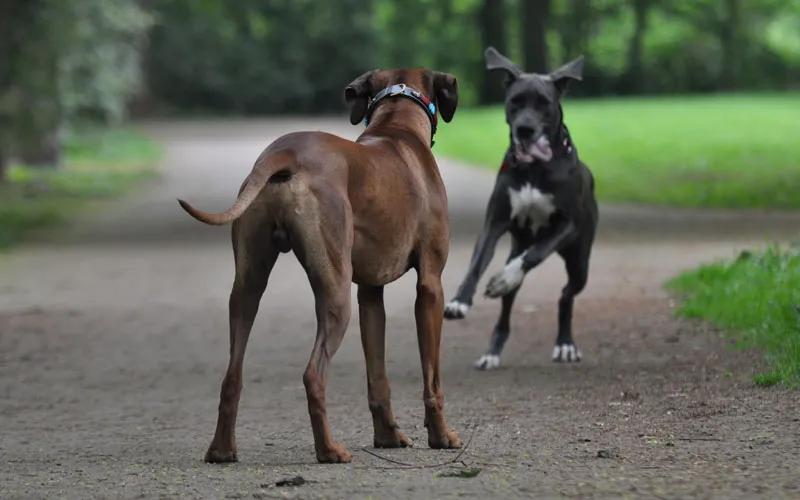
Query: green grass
[(723, 151), (756, 296), (99, 165)]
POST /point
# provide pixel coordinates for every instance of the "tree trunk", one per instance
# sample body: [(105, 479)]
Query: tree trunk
[(574, 28), (493, 33), (40, 114), (729, 41), (535, 14), (632, 80), (3, 160)]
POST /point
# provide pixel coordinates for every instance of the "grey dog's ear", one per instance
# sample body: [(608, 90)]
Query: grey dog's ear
[(446, 86), (495, 60), (357, 95), (573, 70)]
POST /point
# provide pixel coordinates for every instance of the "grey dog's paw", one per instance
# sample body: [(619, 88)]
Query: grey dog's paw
[(455, 310), (566, 353), (510, 278), (488, 362)]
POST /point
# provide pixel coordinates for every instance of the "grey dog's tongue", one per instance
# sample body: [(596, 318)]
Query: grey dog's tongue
[(539, 150)]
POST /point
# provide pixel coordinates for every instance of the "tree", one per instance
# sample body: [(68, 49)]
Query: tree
[(74, 62), (724, 19), (492, 22), (729, 36), (633, 78), (535, 17), (15, 16)]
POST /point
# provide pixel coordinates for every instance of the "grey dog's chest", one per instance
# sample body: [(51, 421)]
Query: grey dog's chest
[(531, 207)]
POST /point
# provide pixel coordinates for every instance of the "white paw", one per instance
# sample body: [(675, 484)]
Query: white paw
[(455, 309), (566, 353), (488, 362), (510, 278)]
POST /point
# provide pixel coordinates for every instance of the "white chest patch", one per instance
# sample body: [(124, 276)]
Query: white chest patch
[(530, 207)]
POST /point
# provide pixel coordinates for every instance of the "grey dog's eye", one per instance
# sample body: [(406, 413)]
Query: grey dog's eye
[(518, 100), (542, 103)]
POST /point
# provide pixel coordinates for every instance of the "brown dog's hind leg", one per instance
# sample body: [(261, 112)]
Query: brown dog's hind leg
[(323, 246), (333, 316), (253, 266), (372, 317), (429, 310)]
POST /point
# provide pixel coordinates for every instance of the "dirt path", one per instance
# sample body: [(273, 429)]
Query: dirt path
[(113, 343)]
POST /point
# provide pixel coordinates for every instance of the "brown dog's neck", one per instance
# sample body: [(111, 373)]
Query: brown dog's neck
[(399, 114), (401, 92)]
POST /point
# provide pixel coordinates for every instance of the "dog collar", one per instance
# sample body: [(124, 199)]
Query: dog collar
[(402, 90)]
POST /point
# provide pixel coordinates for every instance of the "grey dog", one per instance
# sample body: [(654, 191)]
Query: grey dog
[(543, 196)]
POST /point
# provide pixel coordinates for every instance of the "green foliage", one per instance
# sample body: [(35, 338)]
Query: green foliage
[(270, 56), (100, 165), (756, 296), (70, 63), (727, 151), (84, 57), (259, 57), (100, 68)]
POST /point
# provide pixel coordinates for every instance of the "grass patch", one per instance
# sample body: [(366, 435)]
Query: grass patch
[(722, 151), (99, 165), (757, 296)]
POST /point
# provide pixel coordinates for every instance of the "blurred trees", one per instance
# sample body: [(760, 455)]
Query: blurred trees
[(280, 56), (63, 64)]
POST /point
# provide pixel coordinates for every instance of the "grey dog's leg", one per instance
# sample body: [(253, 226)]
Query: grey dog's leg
[(495, 225), (482, 255), (576, 261), (491, 359)]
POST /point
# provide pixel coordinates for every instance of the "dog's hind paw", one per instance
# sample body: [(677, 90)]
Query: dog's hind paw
[(488, 362), (220, 457), (455, 310), (566, 353), (334, 454)]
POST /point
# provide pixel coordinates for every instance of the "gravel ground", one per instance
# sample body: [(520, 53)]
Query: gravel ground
[(113, 344)]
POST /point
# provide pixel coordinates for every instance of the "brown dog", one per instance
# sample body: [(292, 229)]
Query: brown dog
[(363, 212)]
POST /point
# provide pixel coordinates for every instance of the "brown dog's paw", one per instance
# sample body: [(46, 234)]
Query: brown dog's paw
[(448, 441), (336, 454), (393, 438), (220, 457)]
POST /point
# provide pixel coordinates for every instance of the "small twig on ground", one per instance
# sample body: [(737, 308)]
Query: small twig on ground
[(699, 439), (404, 465)]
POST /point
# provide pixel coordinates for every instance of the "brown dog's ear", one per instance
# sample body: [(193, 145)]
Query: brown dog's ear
[(446, 87), (495, 60), (357, 95), (573, 70)]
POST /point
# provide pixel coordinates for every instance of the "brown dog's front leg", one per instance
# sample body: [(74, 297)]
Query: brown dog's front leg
[(428, 311), (372, 317)]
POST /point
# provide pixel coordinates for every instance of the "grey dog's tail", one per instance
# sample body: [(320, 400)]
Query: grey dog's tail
[(258, 178)]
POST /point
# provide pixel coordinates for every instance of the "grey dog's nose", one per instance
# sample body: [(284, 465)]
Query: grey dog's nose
[(525, 132)]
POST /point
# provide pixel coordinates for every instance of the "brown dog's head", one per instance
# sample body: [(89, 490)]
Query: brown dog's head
[(440, 88), (533, 104)]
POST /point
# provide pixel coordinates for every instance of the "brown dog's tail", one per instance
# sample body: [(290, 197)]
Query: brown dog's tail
[(255, 183)]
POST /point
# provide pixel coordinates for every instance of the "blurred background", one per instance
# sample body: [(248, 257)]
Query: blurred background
[(72, 72)]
